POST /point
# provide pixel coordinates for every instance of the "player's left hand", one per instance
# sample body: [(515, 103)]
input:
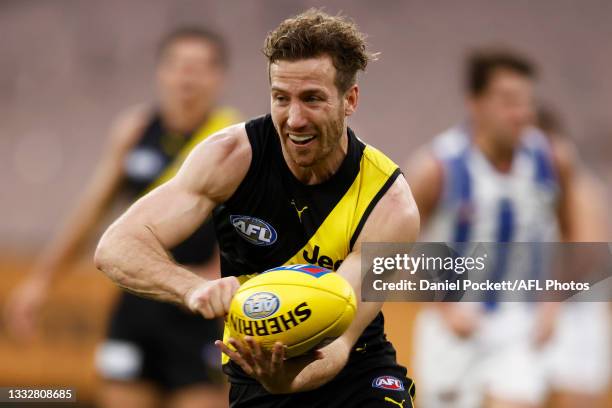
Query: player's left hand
[(270, 368)]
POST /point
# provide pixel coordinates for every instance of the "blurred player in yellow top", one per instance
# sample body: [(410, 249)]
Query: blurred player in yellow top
[(154, 351)]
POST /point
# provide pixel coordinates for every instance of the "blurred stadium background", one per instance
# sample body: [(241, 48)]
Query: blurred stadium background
[(68, 68)]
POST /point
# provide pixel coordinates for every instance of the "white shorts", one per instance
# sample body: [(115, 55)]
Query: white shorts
[(580, 355), (498, 360)]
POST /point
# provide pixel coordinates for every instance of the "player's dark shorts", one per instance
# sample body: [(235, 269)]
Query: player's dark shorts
[(359, 386), (161, 343)]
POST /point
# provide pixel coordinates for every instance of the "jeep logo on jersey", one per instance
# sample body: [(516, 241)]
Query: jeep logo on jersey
[(254, 230), (261, 305), (386, 382), (323, 261)]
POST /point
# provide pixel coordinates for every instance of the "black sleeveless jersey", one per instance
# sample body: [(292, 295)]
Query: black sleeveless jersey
[(273, 219), (156, 157), (154, 152)]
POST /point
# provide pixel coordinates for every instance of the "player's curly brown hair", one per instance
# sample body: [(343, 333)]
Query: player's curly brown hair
[(314, 33)]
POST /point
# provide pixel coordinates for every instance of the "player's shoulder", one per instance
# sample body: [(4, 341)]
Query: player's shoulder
[(560, 151), (378, 161), (260, 129), (395, 218), (450, 143), (217, 165), (564, 156), (228, 144)]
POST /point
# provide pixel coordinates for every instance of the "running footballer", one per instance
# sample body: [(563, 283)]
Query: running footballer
[(303, 172)]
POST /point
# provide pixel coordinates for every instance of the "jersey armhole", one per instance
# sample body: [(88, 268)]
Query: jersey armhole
[(372, 204)]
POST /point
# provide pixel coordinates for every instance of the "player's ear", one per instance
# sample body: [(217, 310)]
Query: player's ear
[(351, 97)]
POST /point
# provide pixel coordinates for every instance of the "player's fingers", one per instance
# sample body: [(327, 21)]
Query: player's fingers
[(230, 285), (198, 300), (216, 302), (239, 345), (255, 355), (259, 358), (256, 348), (277, 357), (206, 310), (244, 350), (234, 356), (226, 296)]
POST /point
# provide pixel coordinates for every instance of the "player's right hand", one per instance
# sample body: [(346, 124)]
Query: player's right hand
[(212, 298), (23, 305)]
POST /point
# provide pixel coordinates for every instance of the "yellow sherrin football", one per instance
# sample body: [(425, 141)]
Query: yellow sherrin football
[(301, 306)]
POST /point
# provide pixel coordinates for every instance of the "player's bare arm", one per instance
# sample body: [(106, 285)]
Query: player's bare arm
[(424, 173), (426, 178), (568, 213), (133, 252), (394, 219), (565, 161), (23, 304)]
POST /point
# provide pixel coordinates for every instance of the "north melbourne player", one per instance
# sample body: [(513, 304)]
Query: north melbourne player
[(492, 178)]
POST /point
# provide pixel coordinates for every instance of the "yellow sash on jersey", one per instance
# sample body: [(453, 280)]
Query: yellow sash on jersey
[(219, 119), (333, 237)]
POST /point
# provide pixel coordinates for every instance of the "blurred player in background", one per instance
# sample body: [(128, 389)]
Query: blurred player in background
[(154, 351), (493, 178), (580, 355), (300, 175)]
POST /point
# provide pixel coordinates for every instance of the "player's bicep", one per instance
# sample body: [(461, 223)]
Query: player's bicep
[(171, 212), (395, 219), (211, 173)]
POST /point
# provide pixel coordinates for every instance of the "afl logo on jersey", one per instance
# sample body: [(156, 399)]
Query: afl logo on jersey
[(261, 305), (387, 382), (254, 230)]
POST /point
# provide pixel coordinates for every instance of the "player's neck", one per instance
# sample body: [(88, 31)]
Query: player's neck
[(498, 156), (324, 169), (184, 118)]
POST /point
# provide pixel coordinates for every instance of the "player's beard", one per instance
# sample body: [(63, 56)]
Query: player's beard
[(328, 140)]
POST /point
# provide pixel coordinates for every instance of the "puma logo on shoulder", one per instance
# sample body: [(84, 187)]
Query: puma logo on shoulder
[(391, 400), (299, 212)]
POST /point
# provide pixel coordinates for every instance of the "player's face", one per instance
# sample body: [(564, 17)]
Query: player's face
[(307, 109), (505, 108), (189, 72)]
